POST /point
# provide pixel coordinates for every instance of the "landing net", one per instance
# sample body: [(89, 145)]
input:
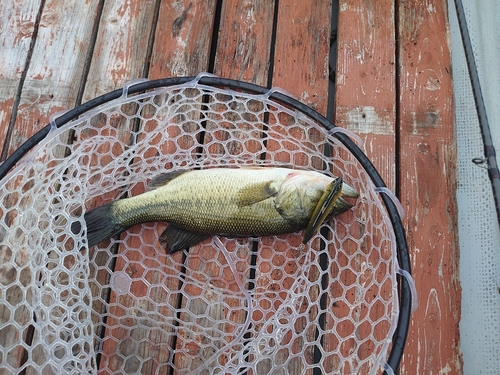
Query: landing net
[(241, 306)]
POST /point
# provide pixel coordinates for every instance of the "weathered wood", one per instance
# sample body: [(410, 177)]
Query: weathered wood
[(427, 182), (365, 100), (123, 31), (243, 52), (58, 57), (300, 67), (244, 40), (47, 89), (365, 103), (120, 55), (19, 19), (181, 48), (301, 51), (121, 47), (182, 38)]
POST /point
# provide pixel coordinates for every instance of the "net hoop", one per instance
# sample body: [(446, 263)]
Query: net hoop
[(406, 297)]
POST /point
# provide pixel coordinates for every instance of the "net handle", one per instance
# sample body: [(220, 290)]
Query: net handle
[(401, 332)]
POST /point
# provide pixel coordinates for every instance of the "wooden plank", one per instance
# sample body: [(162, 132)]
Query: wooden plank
[(244, 40), (365, 100), (365, 103), (425, 108), (301, 51), (181, 47), (56, 66), (182, 39), (300, 67), (121, 46), (123, 32), (62, 41), (428, 182), (243, 50), (120, 55), (19, 18), (110, 70)]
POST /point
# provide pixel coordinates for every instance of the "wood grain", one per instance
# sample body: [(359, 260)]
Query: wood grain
[(365, 100), (121, 47), (182, 38), (301, 51), (56, 67), (124, 32), (428, 182), (47, 89), (19, 18), (300, 67), (243, 52), (181, 48), (367, 103), (244, 41)]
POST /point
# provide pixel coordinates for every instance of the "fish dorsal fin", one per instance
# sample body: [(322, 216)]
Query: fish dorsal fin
[(163, 179), (255, 193)]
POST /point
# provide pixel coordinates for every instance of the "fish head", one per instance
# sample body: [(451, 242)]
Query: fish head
[(302, 191), (297, 197)]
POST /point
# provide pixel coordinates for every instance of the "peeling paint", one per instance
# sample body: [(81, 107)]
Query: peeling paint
[(367, 121), (445, 370)]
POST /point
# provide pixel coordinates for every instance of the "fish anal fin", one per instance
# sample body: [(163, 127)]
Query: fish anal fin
[(163, 179), (174, 239), (255, 193)]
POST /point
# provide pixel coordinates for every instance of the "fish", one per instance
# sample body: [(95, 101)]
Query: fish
[(230, 202)]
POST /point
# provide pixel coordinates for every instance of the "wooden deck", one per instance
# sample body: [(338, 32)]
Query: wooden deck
[(393, 87)]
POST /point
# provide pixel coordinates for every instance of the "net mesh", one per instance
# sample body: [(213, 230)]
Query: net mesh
[(252, 306)]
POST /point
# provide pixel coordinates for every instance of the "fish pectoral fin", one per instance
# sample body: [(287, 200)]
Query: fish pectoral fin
[(174, 239), (255, 193), (163, 179)]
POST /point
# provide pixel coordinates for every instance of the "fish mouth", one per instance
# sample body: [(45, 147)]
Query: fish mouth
[(342, 204), (349, 191), (331, 203)]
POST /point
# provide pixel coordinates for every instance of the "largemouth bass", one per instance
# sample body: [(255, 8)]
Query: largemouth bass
[(230, 202)]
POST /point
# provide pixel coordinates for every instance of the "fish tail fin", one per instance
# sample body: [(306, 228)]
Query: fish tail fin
[(101, 225)]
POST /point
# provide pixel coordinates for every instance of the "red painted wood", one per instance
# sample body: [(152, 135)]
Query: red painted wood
[(301, 68), (20, 21), (243, 50), (181, 48), (56, 66), (47, 89), (365, 101), (427, 186)]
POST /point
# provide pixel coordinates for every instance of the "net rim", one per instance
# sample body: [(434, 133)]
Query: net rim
[(277, 95)]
